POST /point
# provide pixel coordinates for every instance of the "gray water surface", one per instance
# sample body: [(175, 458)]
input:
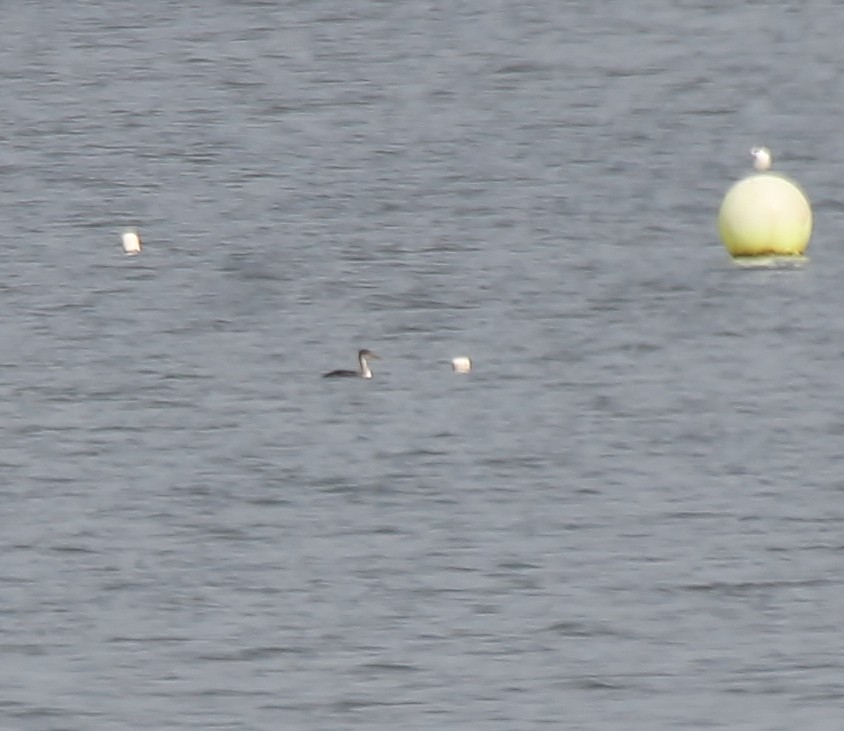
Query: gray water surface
[(629, 516)]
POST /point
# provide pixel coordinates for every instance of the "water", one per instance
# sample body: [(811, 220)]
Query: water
[(628, 516)]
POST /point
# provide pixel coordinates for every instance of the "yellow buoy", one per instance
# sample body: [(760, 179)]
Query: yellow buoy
[(765, 214)]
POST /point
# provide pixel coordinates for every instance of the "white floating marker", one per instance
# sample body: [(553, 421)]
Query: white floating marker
[(461, 364), (131, 242)]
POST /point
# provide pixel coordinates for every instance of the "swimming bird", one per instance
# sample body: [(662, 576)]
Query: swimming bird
[(364, 356), (761, 158)]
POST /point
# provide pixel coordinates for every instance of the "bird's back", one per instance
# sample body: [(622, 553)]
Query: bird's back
[(341, 374)]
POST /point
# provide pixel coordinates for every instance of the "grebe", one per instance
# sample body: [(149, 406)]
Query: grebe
[(761, 158), (364, 356)]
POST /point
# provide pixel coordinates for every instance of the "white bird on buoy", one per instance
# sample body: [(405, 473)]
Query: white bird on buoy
[(131, 242), (461, 364), (761, 158)]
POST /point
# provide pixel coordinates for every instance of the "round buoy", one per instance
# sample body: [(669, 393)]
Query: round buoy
[(765, 214)]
